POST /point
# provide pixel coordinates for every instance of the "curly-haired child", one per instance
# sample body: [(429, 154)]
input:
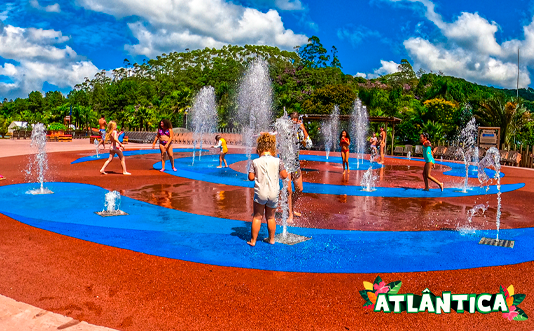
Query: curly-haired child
[(265, 171)]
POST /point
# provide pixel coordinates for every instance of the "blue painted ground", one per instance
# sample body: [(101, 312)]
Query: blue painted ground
[(174, 234), (104, 156), (457, 169), (206, 170)]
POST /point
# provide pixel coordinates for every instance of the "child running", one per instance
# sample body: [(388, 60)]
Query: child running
[(113, 136), (221, 143), (344, 142), (265, 172), (429, 161)]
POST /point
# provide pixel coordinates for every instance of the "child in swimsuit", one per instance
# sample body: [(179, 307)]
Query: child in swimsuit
[(344, 142), (265, 172), (113, 136), (374, 141), (429, 161), (165, 136), (221, 143)]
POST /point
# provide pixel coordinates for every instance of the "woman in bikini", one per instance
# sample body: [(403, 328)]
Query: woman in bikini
[(429, 162), (116, 148), (344, 142), (165, 137)]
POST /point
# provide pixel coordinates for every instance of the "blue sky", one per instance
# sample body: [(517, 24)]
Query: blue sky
[(54, 44)]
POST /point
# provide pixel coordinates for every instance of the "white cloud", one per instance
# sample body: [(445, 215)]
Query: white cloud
[(55, 8), (356, 35), (169, 25), (463, 63), (468, 48), (38, 59), (289, 4), (386, 68)]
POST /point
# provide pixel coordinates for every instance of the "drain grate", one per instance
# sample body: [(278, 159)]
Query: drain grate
[(107, 214), (290, 238), (495, 242)]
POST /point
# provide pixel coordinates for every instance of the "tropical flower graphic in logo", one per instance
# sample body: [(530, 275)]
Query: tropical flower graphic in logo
[(372, 290), (512, 300)]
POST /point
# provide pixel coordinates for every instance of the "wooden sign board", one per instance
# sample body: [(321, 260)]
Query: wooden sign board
[(488, 137)]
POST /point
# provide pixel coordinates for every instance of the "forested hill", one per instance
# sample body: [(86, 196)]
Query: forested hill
[(308, 81)]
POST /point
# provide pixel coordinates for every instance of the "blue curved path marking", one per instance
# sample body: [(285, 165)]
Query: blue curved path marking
[(457, 169), (174, 234), (104, 156), (206, 170)]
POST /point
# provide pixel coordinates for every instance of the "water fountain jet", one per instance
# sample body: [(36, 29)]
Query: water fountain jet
[(112, 205), (254, 99), (39, 164), (203, 117)]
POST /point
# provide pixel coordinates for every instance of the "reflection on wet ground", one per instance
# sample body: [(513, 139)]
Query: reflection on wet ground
[(346, 212)]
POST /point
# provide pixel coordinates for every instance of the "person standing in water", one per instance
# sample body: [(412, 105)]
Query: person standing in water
[(116, 148), (383, 137), (165, 135), (265, 172), (221, 143), (296, 174), (102, 129), (344, 142), (374, 151), (429, 161)]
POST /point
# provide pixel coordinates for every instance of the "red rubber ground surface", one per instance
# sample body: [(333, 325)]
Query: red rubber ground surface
[(132, 291)]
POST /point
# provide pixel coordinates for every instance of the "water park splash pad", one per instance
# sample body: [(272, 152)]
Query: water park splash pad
[(171, 233), (175, 234)]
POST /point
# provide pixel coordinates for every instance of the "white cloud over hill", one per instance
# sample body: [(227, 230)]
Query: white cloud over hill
[(173, 25), (468, 48), (33, 56)]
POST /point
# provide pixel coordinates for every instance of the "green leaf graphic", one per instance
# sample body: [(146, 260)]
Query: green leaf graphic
[(503, 291), (518, 298), (394, 287), (521, 316), (368, 303), (378, 280), (364, 294)]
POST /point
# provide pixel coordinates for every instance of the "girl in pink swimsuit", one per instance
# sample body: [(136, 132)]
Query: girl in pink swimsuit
[(165, 136)]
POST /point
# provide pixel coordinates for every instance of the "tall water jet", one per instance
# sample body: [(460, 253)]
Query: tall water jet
[(330, 131), (203, 117), (112, 204), (97, 149), (368, 182), (288, 148), (359, 127), (467, 143), (326, 130), (254, 103), (492, 159), (38, 165)]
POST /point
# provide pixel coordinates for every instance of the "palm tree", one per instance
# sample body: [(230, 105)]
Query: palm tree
[(499, 112)]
